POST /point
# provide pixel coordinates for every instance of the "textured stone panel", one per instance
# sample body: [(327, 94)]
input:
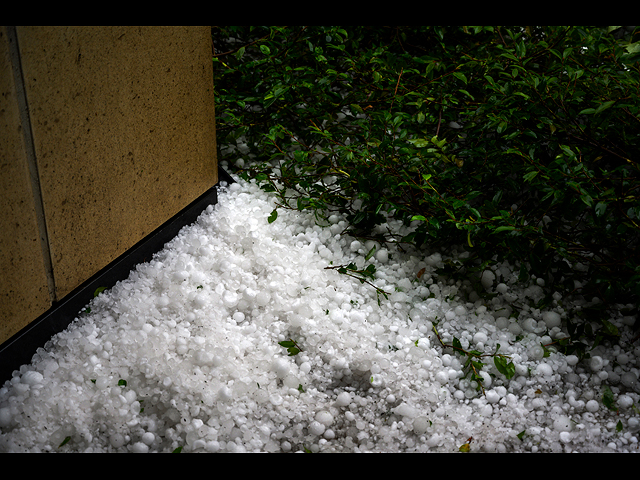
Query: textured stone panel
[(24, 294), (124, 134)]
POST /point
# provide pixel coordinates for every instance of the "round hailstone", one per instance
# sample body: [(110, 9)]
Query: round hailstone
[(593, 406), (492, 396), (625, 401), (117, 440), (324, 417), (316, 428), (291, 381), (420, 425), (344, 399), (148, 438), (536, 352), (629, 379), (140, 447), (382, 256), (597, 363), (487, 278), (552, 319), (355, 246), (562, 424), (529, 324), (480, 337), (622, 359), (442, 377), (405, 410), (281, 367), (262, 298)]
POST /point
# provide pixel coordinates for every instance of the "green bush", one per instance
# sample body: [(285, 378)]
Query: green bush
[(520, 143)]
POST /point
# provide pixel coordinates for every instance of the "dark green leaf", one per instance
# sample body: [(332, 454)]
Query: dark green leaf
[(504, 366), (608, 400), (98, 291)]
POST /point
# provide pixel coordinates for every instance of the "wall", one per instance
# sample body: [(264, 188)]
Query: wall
[(107, 132)]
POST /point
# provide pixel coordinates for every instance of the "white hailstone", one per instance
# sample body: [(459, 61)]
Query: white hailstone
[(329, 434), (628, 379), (442, 377), (5, 417), (405, 410), (487, 380), (529, 324), (434, 440), (32, 377), (514, 328), (480, 337), (344, 399), (420, 424), (502, 323), (102, 382), (382, 255), (140, 447), (562, 424), (544, 369), (225, 394), (148, 438), (624, 401), (502, 288), (622, 359), (572, 360), (263, 298), (291, 381), (551, 319), (117, 440), (536, 352), (593, 406), (486, 410), (324, 417), (281, 367), (316, 428), (492, 396), (565, 437), (486, 278), (596, 363)]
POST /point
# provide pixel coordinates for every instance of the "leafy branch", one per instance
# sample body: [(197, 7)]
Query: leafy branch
[(473, 365), (362, 275), (292, 347)]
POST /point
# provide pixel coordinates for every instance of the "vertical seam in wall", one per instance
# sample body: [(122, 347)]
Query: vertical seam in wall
[(23, 106)]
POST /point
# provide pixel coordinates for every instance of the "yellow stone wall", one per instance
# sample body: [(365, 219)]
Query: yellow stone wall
[(123, 138)]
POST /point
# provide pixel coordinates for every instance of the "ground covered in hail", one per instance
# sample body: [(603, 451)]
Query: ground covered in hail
[(242, 336)]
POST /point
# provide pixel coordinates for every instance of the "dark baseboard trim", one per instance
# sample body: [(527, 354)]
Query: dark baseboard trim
[(21, 347)]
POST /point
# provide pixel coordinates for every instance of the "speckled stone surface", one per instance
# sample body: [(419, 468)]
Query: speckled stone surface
[(123, 127), (24, 293)]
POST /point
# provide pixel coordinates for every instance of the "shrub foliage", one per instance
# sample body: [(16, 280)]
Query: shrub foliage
[(520, 143)]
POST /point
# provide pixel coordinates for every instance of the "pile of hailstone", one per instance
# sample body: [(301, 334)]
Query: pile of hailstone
[(185, 354)]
